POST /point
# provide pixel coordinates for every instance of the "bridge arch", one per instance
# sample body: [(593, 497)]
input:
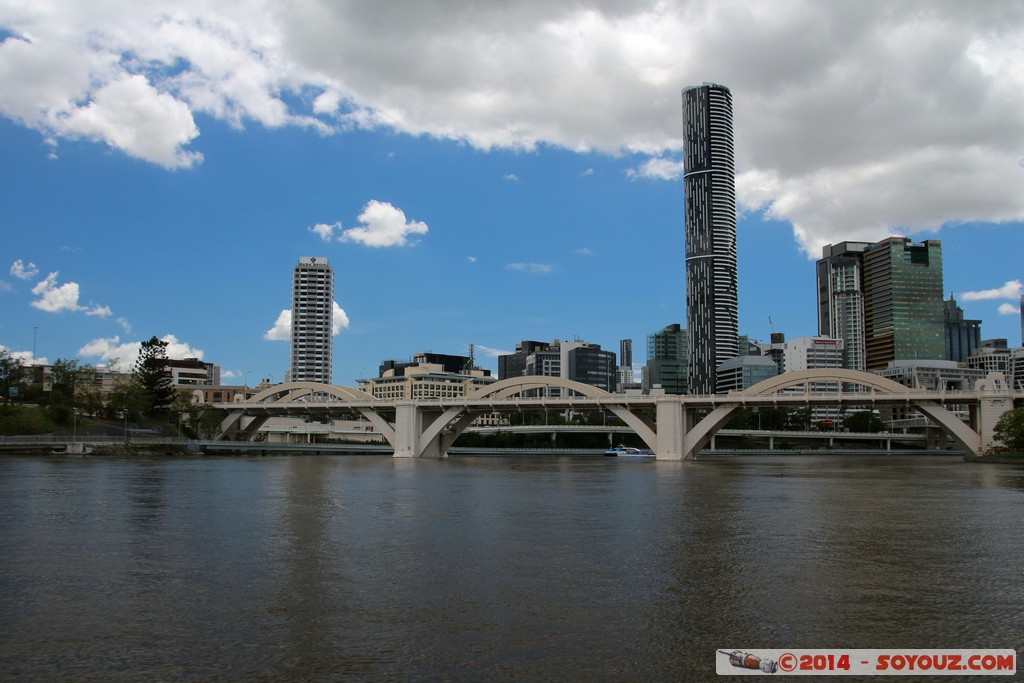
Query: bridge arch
[(516, 386), (699, 436), (293, 391), (290, 391)]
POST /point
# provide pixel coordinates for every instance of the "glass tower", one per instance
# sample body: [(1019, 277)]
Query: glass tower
[(709, 186), (312, 320), (903, 303)]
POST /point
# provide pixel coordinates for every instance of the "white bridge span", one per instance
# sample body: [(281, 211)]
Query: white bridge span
[(674, 427)]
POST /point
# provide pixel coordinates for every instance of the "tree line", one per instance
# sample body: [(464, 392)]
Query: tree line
[(143, 395)]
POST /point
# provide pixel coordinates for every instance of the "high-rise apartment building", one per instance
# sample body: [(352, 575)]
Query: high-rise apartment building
[(710, 193), (841, 300), (312, 320), (903, 304)]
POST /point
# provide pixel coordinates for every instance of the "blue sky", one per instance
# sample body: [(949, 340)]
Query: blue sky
[(512, 174)]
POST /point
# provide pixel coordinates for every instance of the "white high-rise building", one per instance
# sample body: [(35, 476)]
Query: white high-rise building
[(312, 320)]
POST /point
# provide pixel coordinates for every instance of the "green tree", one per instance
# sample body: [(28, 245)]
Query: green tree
[(151, 375), (11, 372), (864, 421), (1010, 429)]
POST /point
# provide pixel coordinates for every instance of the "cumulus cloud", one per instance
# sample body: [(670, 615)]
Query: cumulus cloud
[(1008, 309), (25, 357), (23, 271), (850, 122), (340, 319), (124, 354), (282, 329), (1012, 289), (511, 177), (326, 232), (532, 268), (54, 298), (383, 225)]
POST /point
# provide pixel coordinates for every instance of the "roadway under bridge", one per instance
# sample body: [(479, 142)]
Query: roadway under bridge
[(674, 427)]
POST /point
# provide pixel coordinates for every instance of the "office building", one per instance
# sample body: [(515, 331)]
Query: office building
[(710, 198), (742, 372), (841, 300), (576, 360), (903, 304), (665, 370), (963, 337), (514, 364), (815, 353), (312, 320), (625, 378), (992, 355)]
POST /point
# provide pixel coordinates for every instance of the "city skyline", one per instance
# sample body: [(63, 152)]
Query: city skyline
[(165, 172)]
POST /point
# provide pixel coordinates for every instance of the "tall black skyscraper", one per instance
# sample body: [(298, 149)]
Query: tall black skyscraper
[(709, 184)]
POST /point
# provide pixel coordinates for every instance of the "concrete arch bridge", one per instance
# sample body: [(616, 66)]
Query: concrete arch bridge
[(674, 427)]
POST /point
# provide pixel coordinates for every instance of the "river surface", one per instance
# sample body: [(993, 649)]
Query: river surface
[(490, 569)]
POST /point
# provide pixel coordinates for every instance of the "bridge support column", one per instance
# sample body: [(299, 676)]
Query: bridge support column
[(671, 429), (995, 399), (407, 430)]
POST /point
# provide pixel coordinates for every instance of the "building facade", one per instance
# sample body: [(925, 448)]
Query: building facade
[(903, 301), (743, 372), (666, 367), (312, 320), (710, 199), (841, 299), (963, 337), (576, 360)]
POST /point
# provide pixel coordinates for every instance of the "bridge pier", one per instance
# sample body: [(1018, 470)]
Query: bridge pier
[(407, 430), (671, 422)]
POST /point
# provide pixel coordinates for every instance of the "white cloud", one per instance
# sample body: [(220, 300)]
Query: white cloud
[(848, 123), (532, 268), (340, 320), (131, 115), (54, 298), (124, 354), (282, 329), (383, 225), (585, 251), (326, 232), (1008, 309), (471, 259), (657, 168), (1012, 289), (488, 351), (23, 271), (25, 357), (512, 177)]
